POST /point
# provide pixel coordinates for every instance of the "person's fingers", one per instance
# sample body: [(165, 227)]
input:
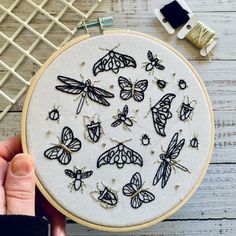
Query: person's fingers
[(3, 171), (56, 219), (10, 147), (20, 186), (58, 225)]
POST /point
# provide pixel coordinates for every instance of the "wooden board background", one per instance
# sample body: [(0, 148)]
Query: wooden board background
[(212, 209)]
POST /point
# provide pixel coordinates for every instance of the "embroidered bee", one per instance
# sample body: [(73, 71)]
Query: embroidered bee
[(113, 61), (94, 129), (168, 160), (182, 84), (145, 140), (85, 90), (78, 175), (186, 109), (194, 143), (122, 117), (134, 190), (129, 89), (54, 114), (154, 63), (120, 155), (63, 150), (107, 197)]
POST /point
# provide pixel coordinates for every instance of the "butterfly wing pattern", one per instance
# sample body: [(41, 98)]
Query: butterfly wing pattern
[(67, 145), (113, 61), (161, 113), (120, 155), (129, 90), (135, 191)]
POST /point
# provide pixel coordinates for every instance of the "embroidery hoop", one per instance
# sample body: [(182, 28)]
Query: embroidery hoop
[(40, 185)]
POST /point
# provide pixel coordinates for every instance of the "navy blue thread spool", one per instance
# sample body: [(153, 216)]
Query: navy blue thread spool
[(175, 14)]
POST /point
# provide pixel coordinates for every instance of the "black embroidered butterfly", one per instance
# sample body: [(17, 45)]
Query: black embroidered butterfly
[(78, 175), (129, 89), (161, 113), (154, 62), (76, 87), (168, 160), (113, 61), (122, 117), (120, 155), (62, 151), (135, 190)]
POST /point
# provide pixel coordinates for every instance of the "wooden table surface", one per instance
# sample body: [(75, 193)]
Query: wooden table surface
[(212, 209)]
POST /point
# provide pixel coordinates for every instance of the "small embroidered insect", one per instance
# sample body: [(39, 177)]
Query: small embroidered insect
[(78, 175), (194, 143), (161, 84), (182, 84), (154, 63), (106, 196), (94, 129), (122, 117), (186, 109), (145, 140), (54, 114)]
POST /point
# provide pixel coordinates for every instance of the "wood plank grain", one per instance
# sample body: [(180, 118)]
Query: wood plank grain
[(167, 228)]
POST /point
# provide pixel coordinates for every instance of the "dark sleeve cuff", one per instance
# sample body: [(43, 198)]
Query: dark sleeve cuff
[(19, 225)]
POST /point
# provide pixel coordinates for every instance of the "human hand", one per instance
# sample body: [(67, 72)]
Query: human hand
[(17, 187)]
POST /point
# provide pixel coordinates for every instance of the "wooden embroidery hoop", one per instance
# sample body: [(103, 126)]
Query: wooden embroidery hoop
[(42, 188)]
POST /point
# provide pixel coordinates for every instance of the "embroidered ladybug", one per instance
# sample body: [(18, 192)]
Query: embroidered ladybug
[(145, 140), (182, 84), (54, 114), (194, 142)]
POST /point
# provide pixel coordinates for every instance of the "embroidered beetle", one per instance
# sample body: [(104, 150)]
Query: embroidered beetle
[(186, 109), (161, 84), (54, 114), (182, 84), (145, 140), (94, 129), (194, 142), (107, 197)]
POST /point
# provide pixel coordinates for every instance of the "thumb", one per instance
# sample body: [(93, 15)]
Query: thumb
[(20, 186)]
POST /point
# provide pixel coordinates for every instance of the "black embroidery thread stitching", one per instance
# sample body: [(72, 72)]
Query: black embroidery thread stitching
[(85, 90), (78, 175), (120, 155), (54, 114), (134, 190), (168, 161), (62, 151), (107, 197), (182, 84), (154, 63), (122, 117), (161, 113), (129, 89), (186, 109), (145, 140), (113, 61), (194, 143)]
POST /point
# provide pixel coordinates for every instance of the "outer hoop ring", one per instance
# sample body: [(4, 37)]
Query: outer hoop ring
[(39, 184)]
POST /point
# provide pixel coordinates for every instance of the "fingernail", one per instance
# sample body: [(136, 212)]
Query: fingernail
[(21, 165)]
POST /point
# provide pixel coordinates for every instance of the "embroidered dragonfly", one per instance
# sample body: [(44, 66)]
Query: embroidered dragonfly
[(168, 160), (85, 90)]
